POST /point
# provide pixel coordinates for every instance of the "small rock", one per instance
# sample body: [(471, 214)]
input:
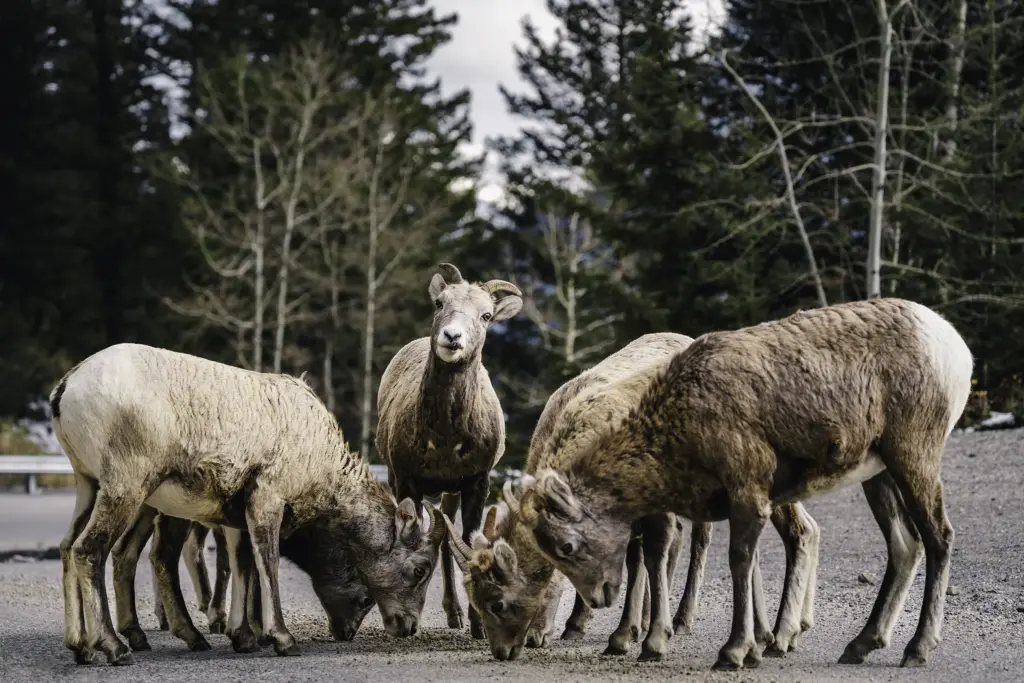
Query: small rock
[(952, 590), (972, 455), (1020, 608), (868, 578)]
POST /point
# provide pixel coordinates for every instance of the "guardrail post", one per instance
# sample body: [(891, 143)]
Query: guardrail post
[(32, 484)]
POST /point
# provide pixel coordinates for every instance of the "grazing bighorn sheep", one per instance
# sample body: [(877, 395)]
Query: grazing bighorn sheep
[(517, 589), (441, 428), (209, 442), (863, 392)]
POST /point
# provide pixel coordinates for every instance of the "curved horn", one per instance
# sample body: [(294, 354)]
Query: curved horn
[(437, 529), (495, 286), (454, 276), (453, 537), (510, 500)]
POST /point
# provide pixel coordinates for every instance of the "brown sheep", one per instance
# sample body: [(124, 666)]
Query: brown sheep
[(864, 392)]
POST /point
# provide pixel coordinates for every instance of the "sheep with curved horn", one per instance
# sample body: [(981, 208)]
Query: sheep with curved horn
[(441, 428)]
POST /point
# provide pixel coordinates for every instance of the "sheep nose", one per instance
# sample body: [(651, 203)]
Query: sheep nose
[(452, 336)]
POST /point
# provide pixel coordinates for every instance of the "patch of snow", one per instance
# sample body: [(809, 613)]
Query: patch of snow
[(998, 420)]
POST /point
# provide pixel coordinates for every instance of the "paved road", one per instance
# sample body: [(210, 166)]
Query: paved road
[(984, 631)]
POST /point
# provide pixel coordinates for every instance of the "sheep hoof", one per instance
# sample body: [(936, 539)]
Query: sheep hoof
[(137, 640), (455, 621), (572, 633), (291, 650), (200, 645)]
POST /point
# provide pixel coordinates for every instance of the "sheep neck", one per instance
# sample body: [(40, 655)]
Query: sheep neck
[(449, 392), (624, 475)]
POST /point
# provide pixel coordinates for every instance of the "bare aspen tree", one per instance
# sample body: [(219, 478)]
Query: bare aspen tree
[(575, 255), (281, 123), (780, 148), (881, 138)]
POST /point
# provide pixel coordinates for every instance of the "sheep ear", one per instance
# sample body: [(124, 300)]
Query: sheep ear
[(505, 560), (437, 285), (507, 308), (558, 496), (407, 521)]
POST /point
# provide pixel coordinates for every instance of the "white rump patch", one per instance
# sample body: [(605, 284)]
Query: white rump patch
[(950, 357)]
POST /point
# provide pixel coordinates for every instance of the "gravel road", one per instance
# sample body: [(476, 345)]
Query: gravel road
[(984, 626)]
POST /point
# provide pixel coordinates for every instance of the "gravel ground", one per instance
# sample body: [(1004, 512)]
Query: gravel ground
[(984, 626)]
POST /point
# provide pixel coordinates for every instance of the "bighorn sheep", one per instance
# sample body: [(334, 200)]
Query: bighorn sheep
[(517, 589), (863, 392), (441, 428), (209, 442)]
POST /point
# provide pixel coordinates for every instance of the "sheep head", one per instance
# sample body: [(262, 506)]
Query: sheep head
[(464, 311)]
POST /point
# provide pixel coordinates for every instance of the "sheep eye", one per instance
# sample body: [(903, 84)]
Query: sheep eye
[(418, 572), (438, 305), (498, 607), (567, 549), (486, 316), (367, 602)]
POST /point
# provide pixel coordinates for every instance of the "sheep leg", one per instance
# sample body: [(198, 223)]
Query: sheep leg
[(114, 511), (675, 546), (216, 615), (658, 537), (158, 603), (241, 560), (918, 481), (74, 625), (254, 610), (192, 554), (126, 559), (762, 631), (165, 555), (904, 545), (450, 600), (576, 624), (747, 519), (628, 630), (264, 510), (800, 537), (686, 614), (474, 496)]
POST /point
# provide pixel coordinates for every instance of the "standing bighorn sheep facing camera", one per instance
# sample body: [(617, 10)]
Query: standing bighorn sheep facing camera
[(441, 428), (863, 392), (516, 588), (209, 442)]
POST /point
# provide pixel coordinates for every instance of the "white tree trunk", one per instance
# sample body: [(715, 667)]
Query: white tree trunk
[(957, 46), (877, 211), (328, 372), (371, 305)]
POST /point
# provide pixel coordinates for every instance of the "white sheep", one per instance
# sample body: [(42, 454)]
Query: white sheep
[(441, 428), (864, 392), (209, 442)]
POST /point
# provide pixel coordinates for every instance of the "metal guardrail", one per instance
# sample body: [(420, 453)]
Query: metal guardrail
[(34, 465)]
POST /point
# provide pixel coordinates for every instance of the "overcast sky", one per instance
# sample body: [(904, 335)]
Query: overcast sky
[(480, 57)]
